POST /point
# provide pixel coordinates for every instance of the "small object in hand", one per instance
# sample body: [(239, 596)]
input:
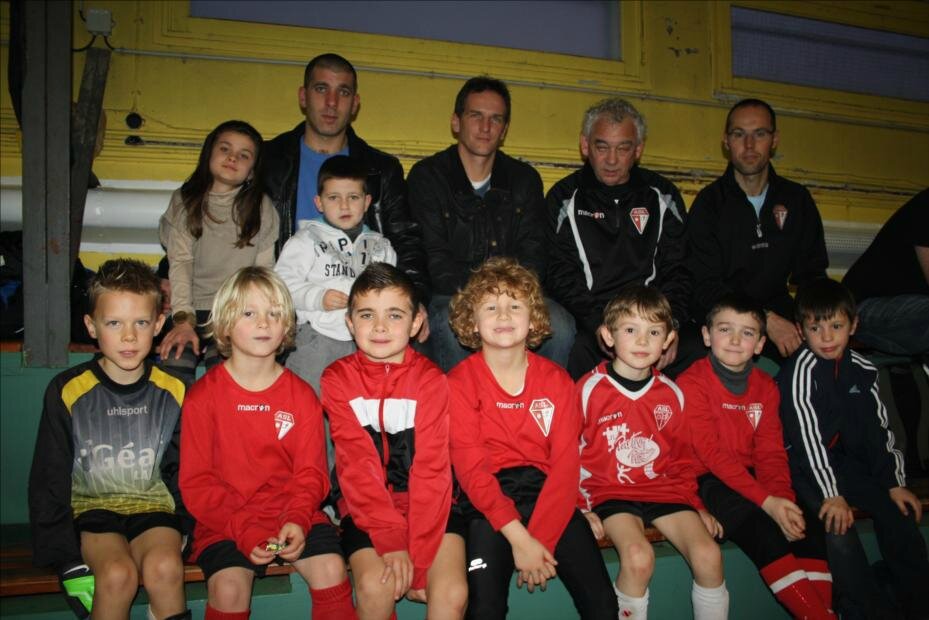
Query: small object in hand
[(274, 547)]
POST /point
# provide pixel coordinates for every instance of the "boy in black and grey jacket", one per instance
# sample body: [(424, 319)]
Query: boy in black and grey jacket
[(842, 454)]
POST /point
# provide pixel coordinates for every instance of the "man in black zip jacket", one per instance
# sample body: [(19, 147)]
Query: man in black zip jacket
[(752, 231), (291, 162), (614, 224), (473, 201)]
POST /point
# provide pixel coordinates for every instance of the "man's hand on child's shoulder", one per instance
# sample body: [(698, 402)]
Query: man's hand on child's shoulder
[(903, 497), (293, 539), (787, 515), (836, 515), (334, 300), (596, 525), (714, 527), (398, 564)]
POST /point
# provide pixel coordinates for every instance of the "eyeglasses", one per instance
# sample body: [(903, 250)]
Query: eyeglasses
[(758, 134)]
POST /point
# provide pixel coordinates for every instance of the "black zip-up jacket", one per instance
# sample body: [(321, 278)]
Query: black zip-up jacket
[(387, 214), (608, 237), (461, 229), (734, 251), (835, 424)]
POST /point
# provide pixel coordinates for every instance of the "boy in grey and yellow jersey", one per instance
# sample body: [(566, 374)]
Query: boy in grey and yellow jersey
[(103, 496)]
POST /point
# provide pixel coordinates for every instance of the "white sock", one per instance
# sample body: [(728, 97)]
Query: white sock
[(630, 607), (710, 603)]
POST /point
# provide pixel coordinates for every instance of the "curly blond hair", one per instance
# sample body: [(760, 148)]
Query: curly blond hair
[(497, 276), (230, 299)]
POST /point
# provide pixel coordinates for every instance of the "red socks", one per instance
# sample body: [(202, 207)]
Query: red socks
[(817, 571), (213, 614), (333, 603), (790, 585)]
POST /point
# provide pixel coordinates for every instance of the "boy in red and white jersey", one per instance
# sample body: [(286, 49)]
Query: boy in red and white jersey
[(514, 449), (744, 478), (388, 415), (636, 461)]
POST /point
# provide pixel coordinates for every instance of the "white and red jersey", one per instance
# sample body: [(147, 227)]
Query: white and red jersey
[(251, 461), (731, 433), (635, 446), (493, 430), (389, 424)]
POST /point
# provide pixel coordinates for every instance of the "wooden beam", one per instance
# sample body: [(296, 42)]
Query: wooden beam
[(46, 186)]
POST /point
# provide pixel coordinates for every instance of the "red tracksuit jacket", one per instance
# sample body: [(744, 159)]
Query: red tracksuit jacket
[(389, 424), (493, 430), (251, 461), (635, 446), (731, 433)]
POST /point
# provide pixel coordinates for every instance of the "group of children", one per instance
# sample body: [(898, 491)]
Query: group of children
[(442, 487)]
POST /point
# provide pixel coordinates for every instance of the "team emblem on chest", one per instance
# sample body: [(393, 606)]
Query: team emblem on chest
[(753, 412), (639, 216), (542, 411), (662, 414), (283, 422), (780, 215)]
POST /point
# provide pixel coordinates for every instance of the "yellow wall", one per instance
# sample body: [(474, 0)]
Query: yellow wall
[(861, 155)]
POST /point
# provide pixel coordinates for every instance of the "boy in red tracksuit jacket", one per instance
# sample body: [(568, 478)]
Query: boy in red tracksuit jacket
[(253, 458), (744, 478), (388, 416), (636, 461), (514, 450)]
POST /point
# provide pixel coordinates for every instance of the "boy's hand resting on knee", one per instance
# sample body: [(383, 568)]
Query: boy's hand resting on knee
[(398, 564), (903, 497), (787, 515), (836, 515), (535, 563), (293, 539), (714, 527), (596, 525)]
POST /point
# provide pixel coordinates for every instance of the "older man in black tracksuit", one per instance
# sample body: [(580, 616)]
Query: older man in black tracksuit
[(614, 224)]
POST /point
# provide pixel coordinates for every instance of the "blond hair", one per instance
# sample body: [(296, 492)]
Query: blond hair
[(497, 276), (230, 300), (638, 299)]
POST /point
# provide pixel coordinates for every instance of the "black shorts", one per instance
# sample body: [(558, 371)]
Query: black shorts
[(647, 511), (323, 538), (100, 521), (355, 539)]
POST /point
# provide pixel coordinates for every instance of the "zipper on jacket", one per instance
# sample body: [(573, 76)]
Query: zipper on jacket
[(385, 448)]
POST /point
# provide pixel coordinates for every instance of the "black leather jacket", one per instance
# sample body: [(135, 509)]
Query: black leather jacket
[(388, 212), (461, 230)]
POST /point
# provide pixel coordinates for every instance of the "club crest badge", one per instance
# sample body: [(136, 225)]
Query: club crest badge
[(780, 215), (662, 413), (283, 422), (542, 411), (639, 217), (754, 411)]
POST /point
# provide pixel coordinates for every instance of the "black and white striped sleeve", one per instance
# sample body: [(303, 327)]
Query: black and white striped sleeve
[(886, 460)]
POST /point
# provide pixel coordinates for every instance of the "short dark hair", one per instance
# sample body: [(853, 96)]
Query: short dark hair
[(481, 84), (333, 62), (380, 276), (341, 167), (752, 103), (824, 298), (125, 275), (741, 304)]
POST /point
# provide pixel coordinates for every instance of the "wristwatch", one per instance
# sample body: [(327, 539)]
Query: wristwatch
[(184, 317)]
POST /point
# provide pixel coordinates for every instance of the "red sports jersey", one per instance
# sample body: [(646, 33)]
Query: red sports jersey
[(389, 424), (634, 445), (252, 461), (494, 430), (731, 433)]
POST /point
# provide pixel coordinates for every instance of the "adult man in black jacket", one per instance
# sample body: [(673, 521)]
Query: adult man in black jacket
[(615, 223), (329, 97), (751, 231), (473, 201)]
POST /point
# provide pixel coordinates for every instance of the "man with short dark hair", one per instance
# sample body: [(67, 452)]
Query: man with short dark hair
[(752, 231), (473, 201), (329, 97), (616, 223)]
